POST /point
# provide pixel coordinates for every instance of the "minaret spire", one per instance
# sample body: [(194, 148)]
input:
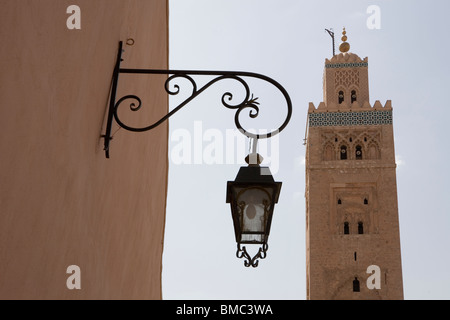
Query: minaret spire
[(345, 46)]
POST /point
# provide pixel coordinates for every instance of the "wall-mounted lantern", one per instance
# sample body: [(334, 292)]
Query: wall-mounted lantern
[(253, 194), (252, 197)]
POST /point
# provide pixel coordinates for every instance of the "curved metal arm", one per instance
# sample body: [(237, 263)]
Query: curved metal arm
[(249, 102)]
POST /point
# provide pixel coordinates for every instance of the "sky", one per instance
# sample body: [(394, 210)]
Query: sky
[(286, 40)]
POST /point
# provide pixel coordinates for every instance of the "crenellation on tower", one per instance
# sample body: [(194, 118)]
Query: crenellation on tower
[(356, 106)]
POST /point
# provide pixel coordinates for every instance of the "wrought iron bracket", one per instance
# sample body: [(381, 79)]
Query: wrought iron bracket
[(249, 102), (261, 254)]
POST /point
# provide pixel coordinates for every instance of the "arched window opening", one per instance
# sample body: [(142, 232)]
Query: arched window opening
[(343, 152), (353, 96), (341, 97), (358, 153), (366, 201), (346, 228), (360, 228), (356, 285), (339, 201)]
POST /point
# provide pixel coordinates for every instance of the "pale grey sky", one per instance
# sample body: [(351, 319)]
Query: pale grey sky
[(285, 40)]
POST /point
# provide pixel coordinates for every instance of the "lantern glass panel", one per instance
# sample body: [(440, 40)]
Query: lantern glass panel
[(254, 207)]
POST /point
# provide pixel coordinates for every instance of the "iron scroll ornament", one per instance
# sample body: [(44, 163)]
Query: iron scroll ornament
[(249, 261), (249, 102)]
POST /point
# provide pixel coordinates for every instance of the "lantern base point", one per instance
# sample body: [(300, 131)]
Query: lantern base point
[(249, 261)]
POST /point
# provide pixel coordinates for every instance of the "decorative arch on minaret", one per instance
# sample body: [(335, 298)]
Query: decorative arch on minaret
[(353, 96), (329, 152), (373, 151), (359, 144)]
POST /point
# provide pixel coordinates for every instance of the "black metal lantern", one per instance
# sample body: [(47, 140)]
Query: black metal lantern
[(252, 196)]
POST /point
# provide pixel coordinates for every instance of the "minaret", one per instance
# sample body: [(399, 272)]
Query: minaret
[(352, 224)]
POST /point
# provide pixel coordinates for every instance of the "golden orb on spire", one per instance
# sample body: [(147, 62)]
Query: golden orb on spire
[(345, 46)]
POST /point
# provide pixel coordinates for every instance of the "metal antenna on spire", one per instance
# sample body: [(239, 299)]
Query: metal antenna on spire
[(331, 33)]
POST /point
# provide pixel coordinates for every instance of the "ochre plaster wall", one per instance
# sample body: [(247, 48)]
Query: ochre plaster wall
[(62, 202)]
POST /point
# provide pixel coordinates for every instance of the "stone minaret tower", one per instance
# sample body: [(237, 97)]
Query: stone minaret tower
[(352, 225)]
